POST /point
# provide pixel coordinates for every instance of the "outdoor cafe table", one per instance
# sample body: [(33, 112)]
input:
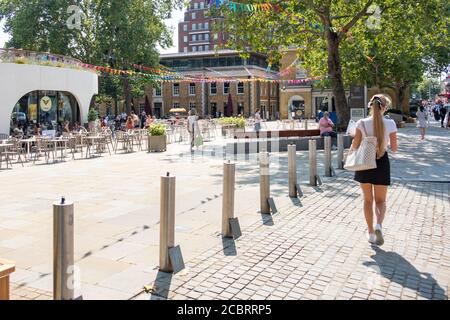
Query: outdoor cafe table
[(59, 141), (28, 142), (92, 141)]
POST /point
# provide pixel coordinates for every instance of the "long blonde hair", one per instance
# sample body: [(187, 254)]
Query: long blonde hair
[(378, 103)]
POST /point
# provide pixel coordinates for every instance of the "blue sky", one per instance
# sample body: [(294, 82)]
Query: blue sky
[(173, 23)]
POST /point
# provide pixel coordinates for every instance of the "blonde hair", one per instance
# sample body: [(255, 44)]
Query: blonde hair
[(378, 103)]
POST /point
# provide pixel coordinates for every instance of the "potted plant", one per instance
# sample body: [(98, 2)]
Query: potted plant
[(92, 119), (157, 139)]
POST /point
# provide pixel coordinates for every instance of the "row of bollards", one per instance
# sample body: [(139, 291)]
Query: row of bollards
[(170, 258)]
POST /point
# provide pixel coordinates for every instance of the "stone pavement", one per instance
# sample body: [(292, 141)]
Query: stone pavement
[(319, 241)]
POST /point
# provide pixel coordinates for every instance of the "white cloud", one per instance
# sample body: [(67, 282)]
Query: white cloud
[(3, 36)]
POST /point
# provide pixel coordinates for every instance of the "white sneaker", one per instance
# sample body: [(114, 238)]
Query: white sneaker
[(379, 235), (372, 238)]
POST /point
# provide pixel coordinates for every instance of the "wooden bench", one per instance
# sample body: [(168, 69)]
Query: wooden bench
[(6, 268), (277, 134)]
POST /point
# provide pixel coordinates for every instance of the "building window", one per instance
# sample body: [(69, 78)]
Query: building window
[(195, 6), (192, 89), (191, 105), (157, 92), (185, 27), (200, 48), (206, 47), (214, 109), (185, 49), (213, 88), (194, 49), (176, 105), (206, 25), (207, 36), (240, 88), (194, 16), (185, 38), (226, 88), (202, 5), (194, 37), (176, 89), (194, 26)]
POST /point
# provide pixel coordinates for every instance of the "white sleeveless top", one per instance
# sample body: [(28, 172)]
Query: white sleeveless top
[(389, 127)]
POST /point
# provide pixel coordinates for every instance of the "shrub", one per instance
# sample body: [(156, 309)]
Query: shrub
[(157, 129), (21, 60), (92, 115), (239, 122)]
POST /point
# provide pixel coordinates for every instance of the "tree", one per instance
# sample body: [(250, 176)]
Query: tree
[(318, 28), (113, 33)]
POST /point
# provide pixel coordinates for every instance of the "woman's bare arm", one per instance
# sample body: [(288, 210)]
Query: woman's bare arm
[(356, 140), (393, 140)]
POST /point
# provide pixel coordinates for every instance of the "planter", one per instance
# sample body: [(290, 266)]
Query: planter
[(92, 126), (157, 143), (6, 268)]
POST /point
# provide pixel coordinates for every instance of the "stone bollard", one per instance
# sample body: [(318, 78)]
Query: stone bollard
[(264, 181), (167, 222), (327, 148), (63, 250), (229, 174), (313, 163), (340, 156), (306, 124), (292, 166)]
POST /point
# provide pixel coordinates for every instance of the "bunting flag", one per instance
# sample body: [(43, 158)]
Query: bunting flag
[(245, 7)]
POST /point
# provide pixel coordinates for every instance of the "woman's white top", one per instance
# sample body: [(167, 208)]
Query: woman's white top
[(422, 119), (191, 121), (389, 127)]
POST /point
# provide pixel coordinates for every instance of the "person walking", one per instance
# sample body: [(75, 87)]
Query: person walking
[(257, 121), (422, 121), (442, 113), (374, 182), (192, 126)]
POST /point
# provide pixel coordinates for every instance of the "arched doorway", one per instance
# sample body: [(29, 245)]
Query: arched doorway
[(296, 107), (48, 109)]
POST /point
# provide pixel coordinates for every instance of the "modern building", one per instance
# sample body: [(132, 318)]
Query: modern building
[(195, 32), (39, 88), (211, 98)]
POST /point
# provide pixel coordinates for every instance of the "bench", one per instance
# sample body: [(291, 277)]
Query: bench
[(276, 134), (6, 268)]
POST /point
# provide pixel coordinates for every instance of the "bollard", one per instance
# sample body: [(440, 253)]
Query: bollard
[(292, 165), (264, 181), (167, 222), (306, 124), (63, 261), (312, 163), (229, 170), (340, 157), (327, 148)]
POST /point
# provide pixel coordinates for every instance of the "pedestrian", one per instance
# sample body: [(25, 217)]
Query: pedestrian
[(326, 126), (422, 121), (442, 113), (374, 182), (192, 126), (257, 121), (143, 119), (130, 123), (135, 119)]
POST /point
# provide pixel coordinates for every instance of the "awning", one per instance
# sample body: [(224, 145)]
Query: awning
[(178, 110)]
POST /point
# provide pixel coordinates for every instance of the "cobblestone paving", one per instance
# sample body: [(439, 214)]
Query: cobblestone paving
[(19, 292), (317, 249)]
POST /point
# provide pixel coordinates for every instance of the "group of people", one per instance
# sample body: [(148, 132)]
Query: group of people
[(130, 121), (440, 112)]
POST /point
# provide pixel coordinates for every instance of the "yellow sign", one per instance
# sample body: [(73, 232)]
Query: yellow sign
[(46, 104), (32, 111)]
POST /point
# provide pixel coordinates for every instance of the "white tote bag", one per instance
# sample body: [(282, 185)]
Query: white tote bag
[(351, 128), (365, 157)]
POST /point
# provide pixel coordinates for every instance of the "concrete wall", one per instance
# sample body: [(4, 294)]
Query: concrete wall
[(16, 80)]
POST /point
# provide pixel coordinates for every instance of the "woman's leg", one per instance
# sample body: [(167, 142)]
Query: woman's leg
[(368, 205), (380, 202)]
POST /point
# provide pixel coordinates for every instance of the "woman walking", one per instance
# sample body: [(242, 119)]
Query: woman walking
[(257, 121), (374, 182), (192, 126), (422, 121)]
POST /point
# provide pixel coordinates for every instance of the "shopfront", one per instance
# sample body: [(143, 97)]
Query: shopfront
[(49, 109)]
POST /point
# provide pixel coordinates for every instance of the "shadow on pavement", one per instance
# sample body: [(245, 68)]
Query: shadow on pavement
[(229, 247), (161, 286), (267, 219), (391, 264)]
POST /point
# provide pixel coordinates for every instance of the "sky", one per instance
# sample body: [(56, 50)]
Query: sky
[(172, 23)]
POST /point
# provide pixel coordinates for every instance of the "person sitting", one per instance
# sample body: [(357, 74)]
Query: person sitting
[(326, 126), (66, 127), (130, 123)]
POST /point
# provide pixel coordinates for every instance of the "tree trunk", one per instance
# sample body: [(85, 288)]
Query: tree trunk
[(127, 93), (401, 94), (335, 71)]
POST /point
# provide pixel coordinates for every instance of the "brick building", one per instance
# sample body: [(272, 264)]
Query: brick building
[(195, 32), (211, 98)]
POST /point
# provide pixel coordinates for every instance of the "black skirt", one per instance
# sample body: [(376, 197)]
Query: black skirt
[(379, 176)]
